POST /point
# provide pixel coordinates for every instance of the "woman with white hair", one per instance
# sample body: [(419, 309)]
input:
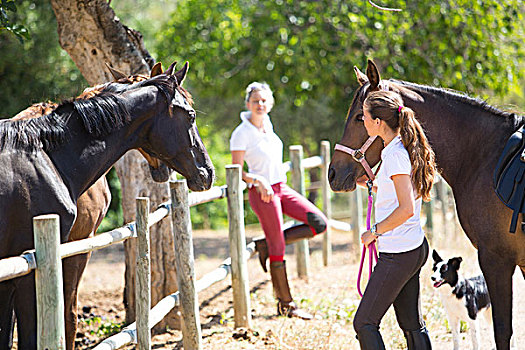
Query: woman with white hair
[(255, 142)]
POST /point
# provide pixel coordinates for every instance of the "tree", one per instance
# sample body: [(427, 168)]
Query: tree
[(37, 69), (93, 36), (306, 50)]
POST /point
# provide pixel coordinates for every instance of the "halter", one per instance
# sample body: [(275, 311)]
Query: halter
[(359, 155)]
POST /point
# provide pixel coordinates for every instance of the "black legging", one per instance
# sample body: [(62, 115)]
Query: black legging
[(395, 280)]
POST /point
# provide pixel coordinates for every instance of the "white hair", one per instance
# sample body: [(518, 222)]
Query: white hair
[(256, 86)]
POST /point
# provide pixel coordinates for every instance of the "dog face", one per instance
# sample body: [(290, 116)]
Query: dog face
[(445, 271)]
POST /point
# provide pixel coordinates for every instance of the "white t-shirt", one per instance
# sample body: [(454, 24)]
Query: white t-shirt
[(409, 235), (263, 150)]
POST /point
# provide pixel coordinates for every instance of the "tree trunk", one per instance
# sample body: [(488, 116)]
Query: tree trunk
[(92, 35)]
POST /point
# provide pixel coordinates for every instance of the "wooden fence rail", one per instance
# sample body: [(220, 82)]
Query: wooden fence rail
[(128, 335)]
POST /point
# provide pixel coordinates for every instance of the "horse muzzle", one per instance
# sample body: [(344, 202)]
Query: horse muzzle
[(202, 180), (340, 181)]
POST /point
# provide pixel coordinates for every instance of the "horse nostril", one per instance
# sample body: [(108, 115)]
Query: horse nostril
[(331, 174)]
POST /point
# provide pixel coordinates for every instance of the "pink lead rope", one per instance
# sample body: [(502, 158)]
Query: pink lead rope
[(359, 156), (372, 251)]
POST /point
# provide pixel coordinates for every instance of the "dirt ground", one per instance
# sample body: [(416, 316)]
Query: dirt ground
[(329, 293)]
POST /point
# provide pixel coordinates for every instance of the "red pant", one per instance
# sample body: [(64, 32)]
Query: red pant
[(285, 201)]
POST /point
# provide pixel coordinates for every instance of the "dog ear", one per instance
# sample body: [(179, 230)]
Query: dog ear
[(455, 262), (436, 256)]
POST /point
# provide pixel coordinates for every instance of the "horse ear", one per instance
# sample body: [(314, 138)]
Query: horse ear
[(181, 75), (436, 256), (156, 70), (373, 75), (116, 73), (362, 79), (170, 69)]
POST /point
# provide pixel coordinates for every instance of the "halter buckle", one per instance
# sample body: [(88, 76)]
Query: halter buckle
[(358, 155)]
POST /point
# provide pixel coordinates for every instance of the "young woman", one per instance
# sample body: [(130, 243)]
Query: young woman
[(405, 178), (255, 142)]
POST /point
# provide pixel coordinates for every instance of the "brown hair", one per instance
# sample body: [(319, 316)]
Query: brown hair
[(388, 106)]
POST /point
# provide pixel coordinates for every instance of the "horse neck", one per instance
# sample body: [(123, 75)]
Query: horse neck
[(465, 138)]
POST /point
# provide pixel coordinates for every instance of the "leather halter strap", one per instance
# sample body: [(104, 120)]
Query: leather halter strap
[(359, 155)]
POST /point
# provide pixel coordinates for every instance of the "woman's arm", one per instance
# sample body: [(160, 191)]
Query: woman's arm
[(405, 210), (263, 186)]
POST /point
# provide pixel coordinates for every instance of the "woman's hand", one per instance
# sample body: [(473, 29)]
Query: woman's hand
[(367, 238), (264, 188)]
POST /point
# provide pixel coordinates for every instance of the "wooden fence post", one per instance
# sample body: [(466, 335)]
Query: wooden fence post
[(143, 275), (301, 248), (185, 261), (241, 291), (356, 215), (48, 283), (327, 205)]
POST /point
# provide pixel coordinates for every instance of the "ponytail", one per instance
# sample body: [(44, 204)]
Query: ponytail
[(388, 106), (421, 155)]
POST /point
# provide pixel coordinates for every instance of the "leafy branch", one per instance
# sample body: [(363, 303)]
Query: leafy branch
[(19, 30)]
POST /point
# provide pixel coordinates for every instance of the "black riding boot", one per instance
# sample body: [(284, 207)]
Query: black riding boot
[(291, 235), (285, 304), (418, 339), (370, 338)]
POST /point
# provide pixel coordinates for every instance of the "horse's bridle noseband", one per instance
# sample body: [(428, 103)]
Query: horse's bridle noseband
[(359, 155)]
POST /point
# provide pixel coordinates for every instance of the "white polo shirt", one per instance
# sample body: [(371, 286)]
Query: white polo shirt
[(263, 150), (409, 235)]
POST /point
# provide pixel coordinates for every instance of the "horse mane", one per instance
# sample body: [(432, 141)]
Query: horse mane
[(458, 96), (100, 115)]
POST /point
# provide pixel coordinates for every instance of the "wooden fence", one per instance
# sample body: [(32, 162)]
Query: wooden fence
[(48, 252)]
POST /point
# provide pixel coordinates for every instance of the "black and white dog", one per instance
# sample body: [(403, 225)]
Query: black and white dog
[(463, 298)]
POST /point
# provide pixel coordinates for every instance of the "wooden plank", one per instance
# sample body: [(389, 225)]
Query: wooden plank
[(237, 238), (143, 275), (313, 162), (301, 248), (327, 205), (195, 198), (48, 283), (185, 264), (17, 266)]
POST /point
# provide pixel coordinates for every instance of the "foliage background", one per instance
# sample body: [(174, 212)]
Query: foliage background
[(305, 50)]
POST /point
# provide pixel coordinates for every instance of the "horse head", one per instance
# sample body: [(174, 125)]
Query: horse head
[(171, 134), (344, 169), (158, 170)]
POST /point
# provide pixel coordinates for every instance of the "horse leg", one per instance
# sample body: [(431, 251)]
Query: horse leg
[(7, 317), (25, 310), (73, 268), (498, 275)]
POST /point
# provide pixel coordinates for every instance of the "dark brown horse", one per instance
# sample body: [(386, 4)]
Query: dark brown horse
[(92, 205), (467, 136), (48, 162)]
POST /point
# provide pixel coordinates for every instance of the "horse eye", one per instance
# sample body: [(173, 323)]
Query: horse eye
[(359, 118)]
